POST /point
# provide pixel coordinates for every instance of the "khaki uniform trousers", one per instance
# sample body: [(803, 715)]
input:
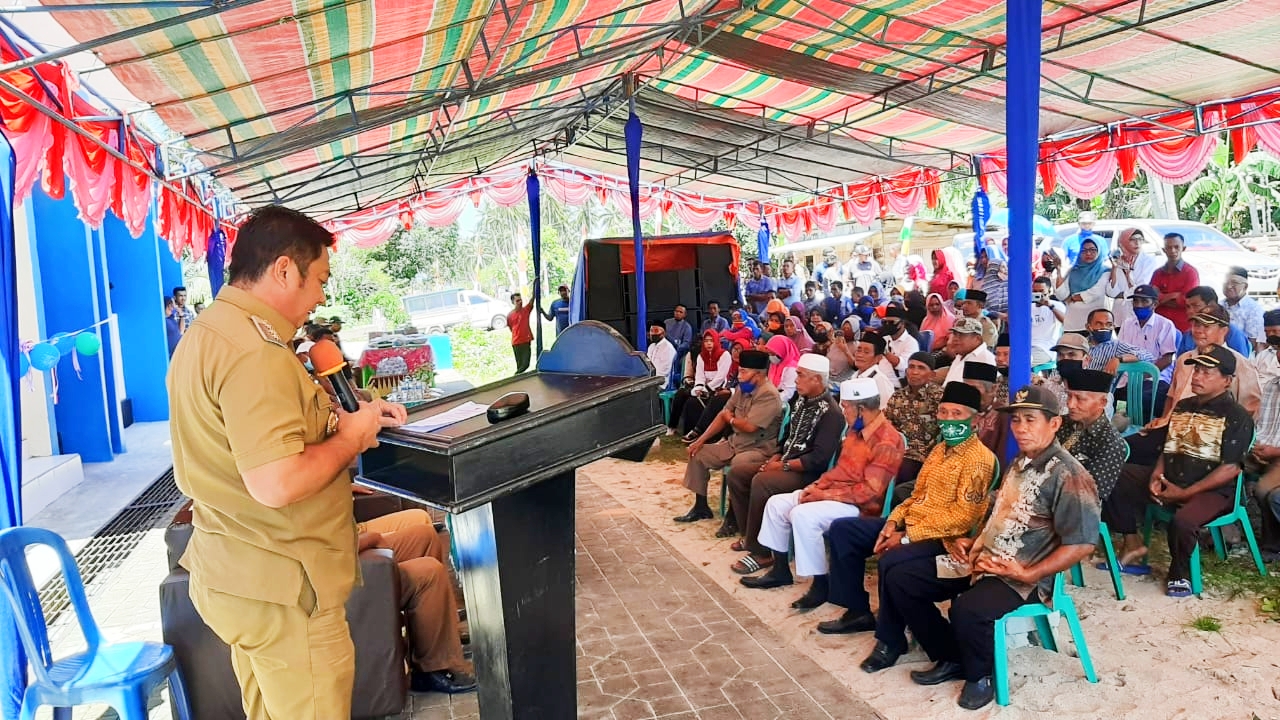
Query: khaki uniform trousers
[(292, 662), (426, 591), (697, 474)]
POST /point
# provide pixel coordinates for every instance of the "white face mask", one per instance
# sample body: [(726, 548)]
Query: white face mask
[(774, 360)]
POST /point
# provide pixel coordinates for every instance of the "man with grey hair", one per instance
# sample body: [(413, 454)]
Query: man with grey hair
[(869, 459), (813, 435)]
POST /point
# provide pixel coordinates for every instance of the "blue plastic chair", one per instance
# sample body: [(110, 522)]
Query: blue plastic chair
[(121, 675), (1113, 565), (1138, 373), (1238, 513), (1040, 612)]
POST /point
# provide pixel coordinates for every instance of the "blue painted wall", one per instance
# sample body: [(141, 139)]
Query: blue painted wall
[(102, 310), (36, 283), (69, 273), (137, 297)]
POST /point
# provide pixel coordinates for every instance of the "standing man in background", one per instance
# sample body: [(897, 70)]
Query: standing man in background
[(521, 333), (172, 326), (263, 454), (560, 310), (181, 310), (1173, 280)]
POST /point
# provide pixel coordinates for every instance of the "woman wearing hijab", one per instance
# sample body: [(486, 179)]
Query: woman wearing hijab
[(938, 320), (1082, 288), (794, 329), (915, 307), (738, 330), (941, 275), (774, 325), (840, 353), (784, 357), (717, 401), (711, 370)]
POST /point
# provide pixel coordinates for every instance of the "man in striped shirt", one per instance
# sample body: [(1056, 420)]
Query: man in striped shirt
[(1106, 352)]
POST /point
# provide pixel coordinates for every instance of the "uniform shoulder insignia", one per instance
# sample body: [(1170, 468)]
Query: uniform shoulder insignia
[(267, 332)]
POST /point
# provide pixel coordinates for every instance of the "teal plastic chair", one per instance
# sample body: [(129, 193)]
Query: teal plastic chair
[(665, 397), (1137, 373), (888, 492), (1040, 612), (1238, 514), (1043, 367), (121, 675), (724, 471), (1113, 565)]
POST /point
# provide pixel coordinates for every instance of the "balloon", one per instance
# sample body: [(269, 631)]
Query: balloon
[(24, 365), (45, 356), (64, 342), (88, 343)]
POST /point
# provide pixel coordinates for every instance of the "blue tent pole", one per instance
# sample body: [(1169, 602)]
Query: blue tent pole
[(634, 131), (534, 191), (13, 672), (1022, 120)]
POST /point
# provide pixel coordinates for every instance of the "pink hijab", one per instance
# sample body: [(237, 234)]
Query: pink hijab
[(939, 325), (803, 342), (782, 346)]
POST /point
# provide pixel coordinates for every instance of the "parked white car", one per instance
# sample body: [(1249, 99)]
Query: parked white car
[(437, 311), (1208, 250)]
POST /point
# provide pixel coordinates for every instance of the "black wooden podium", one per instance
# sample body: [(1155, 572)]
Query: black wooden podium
[(509, 487)]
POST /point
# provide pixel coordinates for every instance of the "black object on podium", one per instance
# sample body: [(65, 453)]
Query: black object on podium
[(509, 487)]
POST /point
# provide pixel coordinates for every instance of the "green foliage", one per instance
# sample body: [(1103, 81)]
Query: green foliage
[(1239, 199), (421, 258), (482, 356), (1206, 623)]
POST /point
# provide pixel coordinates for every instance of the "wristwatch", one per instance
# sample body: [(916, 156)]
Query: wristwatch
[(905, 540)]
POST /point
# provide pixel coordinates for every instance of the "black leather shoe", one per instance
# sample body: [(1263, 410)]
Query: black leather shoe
[(765, 581), (450, 682), (938, 674), (810, 600), (727, 530), (977, 694), (880, 658), (848, 623), (695, 514)]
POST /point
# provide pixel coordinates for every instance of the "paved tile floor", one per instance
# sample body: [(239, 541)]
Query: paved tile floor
[(656, 638)]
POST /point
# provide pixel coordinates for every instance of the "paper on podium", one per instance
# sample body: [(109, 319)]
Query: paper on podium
[(448, 417)]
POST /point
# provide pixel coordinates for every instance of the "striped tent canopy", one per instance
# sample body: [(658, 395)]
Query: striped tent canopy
[(337, 106)]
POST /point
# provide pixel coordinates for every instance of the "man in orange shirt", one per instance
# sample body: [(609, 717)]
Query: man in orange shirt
[(521, 333)]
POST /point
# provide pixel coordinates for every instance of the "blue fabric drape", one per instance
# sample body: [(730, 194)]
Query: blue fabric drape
[(533, 190), (1022, 123), (634, 132), (13, 673), (981, 209), (217, 259), (762, 241)]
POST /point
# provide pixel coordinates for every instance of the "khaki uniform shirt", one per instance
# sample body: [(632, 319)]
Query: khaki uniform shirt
[(239, 399), (762, 408)]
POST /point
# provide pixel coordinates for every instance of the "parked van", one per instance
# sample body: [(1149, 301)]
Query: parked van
[(440, 310)]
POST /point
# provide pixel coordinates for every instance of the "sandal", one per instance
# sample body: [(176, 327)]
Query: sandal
[(749, 564), (1178, 588), (727, 530), (1126, 569), (739, 545)]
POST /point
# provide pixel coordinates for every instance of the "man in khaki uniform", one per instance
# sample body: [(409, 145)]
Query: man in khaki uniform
[(264, 454), (753, 414)]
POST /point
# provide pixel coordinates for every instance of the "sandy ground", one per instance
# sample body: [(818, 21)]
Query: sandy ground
[(1150, 663)]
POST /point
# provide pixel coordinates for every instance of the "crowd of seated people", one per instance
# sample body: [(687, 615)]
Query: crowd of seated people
[(846, 436)]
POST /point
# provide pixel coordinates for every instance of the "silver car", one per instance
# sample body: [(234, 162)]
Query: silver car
[(1208, 250)]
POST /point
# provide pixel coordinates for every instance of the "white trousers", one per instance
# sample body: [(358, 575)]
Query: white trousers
[(784, 514)]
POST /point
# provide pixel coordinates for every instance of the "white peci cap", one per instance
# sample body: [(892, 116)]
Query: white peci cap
[(858, 389)]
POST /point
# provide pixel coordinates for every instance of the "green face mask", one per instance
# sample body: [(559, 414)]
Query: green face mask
[(955, 432)]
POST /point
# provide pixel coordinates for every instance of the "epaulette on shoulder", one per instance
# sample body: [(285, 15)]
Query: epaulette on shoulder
[(267, 332)]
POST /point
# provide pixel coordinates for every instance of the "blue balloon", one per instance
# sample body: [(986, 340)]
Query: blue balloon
[(45, 357), (65, 342), (24, 365)]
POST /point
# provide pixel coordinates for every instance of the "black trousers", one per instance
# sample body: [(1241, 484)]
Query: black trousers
[(522, 353), (909, 593), (900, 565), (679, 411), (1145, 448), (851, 541), (714, 405), (1125, 508)]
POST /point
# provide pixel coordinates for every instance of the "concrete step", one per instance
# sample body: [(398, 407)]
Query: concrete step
[(45, 479)]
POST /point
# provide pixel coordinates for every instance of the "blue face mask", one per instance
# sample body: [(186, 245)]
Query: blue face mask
[(747, 387), (1100, 336), (858, 424), (309, 366), (1143, 313)]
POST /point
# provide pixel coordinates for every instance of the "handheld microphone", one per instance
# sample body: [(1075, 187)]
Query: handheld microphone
[(328, 362)]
